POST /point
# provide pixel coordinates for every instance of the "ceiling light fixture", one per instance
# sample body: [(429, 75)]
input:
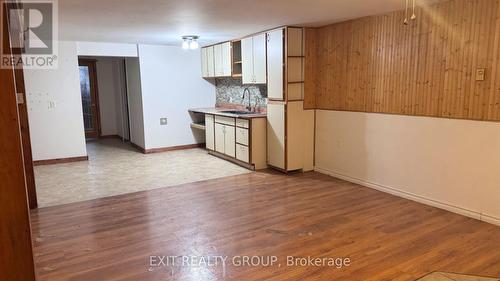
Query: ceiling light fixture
[(190, 42)]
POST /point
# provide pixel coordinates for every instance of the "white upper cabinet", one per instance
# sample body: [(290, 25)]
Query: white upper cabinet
[(253, 56), (218, 60), (275, 60), (222, 59), (204, 63), (210, 62), (247, 60), (259, 59), (226, 58)]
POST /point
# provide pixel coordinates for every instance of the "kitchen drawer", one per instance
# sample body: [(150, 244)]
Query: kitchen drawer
[(242, 136), (224, 120), (242, 153), (243, 123)]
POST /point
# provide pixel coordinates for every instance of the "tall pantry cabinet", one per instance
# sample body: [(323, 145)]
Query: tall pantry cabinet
[(290, 128)]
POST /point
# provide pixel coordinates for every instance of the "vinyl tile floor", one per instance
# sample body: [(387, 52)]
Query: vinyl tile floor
[(116, 168)]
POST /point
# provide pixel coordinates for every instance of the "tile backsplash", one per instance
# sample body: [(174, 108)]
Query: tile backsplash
[(229, 91)]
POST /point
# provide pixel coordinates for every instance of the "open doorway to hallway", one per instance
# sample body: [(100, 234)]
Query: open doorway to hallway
[(112, 119), (105, 104)]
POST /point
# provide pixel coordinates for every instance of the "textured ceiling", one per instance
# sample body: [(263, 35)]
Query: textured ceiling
[(164, 21)]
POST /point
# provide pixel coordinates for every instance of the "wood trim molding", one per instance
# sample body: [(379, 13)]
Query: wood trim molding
[(113, 137), (141, 149), (233, 160), (25, 135), (24, 124), (172, 148), (60, 160)]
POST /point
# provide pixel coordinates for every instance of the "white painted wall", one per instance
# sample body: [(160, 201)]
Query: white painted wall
[(136, 113), (171, 84), (107, 96), (112, 94), (452, 164), (164, 82), (56, 132), (121, 99), (106, 49)]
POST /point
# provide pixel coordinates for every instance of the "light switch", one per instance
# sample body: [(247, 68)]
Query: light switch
[(163, 121), (480, 74), (20, 98)]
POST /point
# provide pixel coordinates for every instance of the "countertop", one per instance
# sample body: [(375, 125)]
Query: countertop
[(220, 111)]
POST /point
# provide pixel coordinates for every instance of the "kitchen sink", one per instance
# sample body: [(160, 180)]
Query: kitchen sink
[(238, 112)]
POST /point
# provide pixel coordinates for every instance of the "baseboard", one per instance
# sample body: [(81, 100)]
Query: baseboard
[(141, 149), (414, 197), (231, 159), (112, 137), (172, 148), (60, 160), (490, 219)]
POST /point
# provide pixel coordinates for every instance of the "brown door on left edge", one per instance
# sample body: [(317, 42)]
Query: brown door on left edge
[(90, 97)]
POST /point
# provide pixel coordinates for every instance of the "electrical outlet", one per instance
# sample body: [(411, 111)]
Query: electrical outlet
[(163, 121), (480, 74), (51, 104)]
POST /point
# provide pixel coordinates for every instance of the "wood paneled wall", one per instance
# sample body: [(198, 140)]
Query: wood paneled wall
[(427, 68)]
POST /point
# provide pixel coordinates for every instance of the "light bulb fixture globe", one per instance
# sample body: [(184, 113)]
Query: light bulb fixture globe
[(193, 45), (185, 44), (190, 42)]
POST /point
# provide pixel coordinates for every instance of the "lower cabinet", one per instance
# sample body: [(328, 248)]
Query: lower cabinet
[(209, 132), (241, 140), (276, 132), (290, 131), (229, 141), (242, 136), (219, 138), (242, 153), (225, 135)]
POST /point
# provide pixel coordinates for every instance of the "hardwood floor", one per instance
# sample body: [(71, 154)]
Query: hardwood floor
[(260, 214)]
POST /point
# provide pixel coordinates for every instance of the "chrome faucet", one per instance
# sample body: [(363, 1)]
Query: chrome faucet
[(247, 90)]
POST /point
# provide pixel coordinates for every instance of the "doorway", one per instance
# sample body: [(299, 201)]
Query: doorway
[(90, 97)]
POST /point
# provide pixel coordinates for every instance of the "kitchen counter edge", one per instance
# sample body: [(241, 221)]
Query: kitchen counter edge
[(220, 111)]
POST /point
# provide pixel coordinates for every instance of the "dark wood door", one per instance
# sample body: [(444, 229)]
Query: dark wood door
[(90, 97), (16, 256), (23, 119), (25, 136)]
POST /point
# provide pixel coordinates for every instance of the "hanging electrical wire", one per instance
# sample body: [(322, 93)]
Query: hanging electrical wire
[(406, 14), (413, 16)]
